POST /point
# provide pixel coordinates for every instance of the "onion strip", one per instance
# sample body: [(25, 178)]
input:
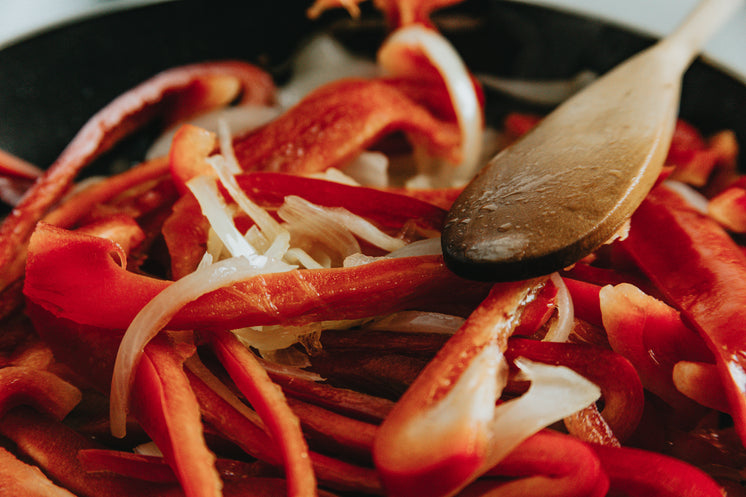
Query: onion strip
[(156, 314)]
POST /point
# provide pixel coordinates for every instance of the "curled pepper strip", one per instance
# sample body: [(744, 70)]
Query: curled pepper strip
[(620, 386), (701, 270), (651, 335), (649, 474), (419, 449), (549, 464), (172, 93), (41, 389), (76, 278), (337, 121)]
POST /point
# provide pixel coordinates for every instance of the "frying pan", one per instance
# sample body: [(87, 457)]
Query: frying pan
[(51, 83)]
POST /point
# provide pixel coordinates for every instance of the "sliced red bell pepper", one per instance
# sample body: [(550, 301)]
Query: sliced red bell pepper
[(653, 337), (700, 382), (650, 474), (281, 424), (76, 278), (447, 452), (620, 385), (190, 148), (171, 93), (43, 390), (185, 233), (729, 208), (78, 205), (701, 270), (336, 122), (23, 480), (15, 167), (54, 447), (551, 464), (165, 406), (386, 209), (234, 424)]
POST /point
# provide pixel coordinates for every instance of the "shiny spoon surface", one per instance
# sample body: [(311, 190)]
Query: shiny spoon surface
[(571, 183)]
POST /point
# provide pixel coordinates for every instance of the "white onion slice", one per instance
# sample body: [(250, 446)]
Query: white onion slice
[(148, 449), (456, 76), (692, 196), (549, 92), (241, 119), (214, 209), (369, 169), (555, 393), (562, 327), (418, 322), (322, 60), (429, 246), (157, 313)]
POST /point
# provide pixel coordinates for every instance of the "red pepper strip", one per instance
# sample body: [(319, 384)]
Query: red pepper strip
[(336, 122), (701, 270), (120, 229), (80, 204), (15, 167), (700, 382), (518, 124), (652, 336), (185, 233), (138, 466), (729, 208), (268, 401), (650, 474), (334, 432), (12, 190), (54, 447), (171, 92), (441, 197), (240, 429), (76, 278), (585, 298), (45, 391), (448, 457), (23, 480), (620, 385), (165, 406), (549, 464), (386, 209), (154, 468), (190, 147), (347, 402), (603, 276)]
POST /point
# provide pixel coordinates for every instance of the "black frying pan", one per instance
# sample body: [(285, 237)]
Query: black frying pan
[(52, 83)]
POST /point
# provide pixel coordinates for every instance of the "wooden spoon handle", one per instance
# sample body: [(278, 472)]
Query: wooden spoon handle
[(701, 23)]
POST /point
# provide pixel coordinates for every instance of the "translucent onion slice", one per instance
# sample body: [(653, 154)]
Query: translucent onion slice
[(555, 393), (692, 196), (549, 92), (418, 322), (217, 213), (240, 119), (563, 325), (322, 60), (369, 169), (456, 76), (157, 313), (429, 246)]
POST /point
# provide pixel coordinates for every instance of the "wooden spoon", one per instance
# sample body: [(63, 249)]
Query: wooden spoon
[(570, 184)]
